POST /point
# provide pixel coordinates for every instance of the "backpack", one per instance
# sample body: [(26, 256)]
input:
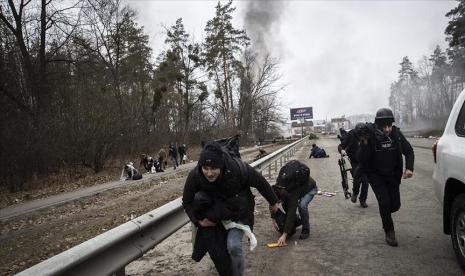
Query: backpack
[(229, 145), (292, 175)]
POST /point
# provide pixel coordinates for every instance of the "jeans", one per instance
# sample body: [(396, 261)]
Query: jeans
[(234, 245), (303, 208)]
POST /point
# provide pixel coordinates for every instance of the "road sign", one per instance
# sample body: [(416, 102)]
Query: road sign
[(302, 113)]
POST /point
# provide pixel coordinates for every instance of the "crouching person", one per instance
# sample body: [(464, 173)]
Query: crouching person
[(226, 180), (130, 172), (317, 152), (295, 188), (147, 162)]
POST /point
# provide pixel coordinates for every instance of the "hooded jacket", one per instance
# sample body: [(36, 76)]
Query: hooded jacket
[(232, 187)]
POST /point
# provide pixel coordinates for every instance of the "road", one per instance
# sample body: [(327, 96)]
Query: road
[(345, 239)]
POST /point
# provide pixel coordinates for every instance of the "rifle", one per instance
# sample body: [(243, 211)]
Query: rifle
[(344, 167)]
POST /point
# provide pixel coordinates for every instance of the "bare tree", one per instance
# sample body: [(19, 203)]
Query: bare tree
[(258, 91)]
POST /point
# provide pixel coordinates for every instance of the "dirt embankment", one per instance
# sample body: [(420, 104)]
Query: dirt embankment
[(30, 239)]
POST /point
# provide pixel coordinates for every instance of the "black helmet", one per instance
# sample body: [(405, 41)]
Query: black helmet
[(384, 115), (359, 126)]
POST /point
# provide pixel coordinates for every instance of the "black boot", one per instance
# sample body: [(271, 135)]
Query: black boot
[(304, 234), (391, 238), (363, 204), (353, 198)]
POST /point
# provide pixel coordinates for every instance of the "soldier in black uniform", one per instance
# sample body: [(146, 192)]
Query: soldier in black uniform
[(381, 159), (351, 145)]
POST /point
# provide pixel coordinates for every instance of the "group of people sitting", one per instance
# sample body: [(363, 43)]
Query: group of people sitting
[(155, 165)]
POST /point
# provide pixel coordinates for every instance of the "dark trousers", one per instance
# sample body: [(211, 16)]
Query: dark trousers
[(360, 180), (212, 240), (386, 189)]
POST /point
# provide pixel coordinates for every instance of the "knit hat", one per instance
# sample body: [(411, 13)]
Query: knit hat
[(211, 155)]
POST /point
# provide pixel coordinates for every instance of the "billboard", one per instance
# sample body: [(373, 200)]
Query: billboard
[(302, 113)]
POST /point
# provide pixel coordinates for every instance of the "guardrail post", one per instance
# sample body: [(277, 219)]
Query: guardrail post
[(275, 165), (281, 161), (269, 171)]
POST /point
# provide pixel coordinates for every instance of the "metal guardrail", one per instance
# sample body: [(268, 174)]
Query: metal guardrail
[(110, 252)]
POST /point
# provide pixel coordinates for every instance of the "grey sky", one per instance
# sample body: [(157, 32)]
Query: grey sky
[(338, 56)]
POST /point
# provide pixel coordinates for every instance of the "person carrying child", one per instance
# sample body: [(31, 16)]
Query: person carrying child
[(227, 181)]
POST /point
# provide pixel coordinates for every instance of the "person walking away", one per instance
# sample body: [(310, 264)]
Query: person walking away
[(162, 158), (228, 180), (182, 153), (173, 154), (381, 159)]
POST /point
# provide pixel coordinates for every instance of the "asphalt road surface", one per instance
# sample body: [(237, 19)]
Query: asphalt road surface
[(345, 239)]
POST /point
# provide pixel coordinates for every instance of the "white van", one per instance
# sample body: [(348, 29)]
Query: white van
[(449, 177)]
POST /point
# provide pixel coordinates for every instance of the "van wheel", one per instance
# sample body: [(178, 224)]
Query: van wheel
[(457, 219)]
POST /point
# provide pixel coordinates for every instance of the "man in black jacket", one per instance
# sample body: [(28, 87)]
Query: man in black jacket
[(381, 159), (229, 180), (296, 188), (182, 152), (351, 145), (173, 154)]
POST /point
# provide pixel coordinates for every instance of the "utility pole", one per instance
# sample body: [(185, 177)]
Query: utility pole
[(302, 127)]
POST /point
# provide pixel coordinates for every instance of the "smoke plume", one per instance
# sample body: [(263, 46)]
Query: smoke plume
[(262, 22)]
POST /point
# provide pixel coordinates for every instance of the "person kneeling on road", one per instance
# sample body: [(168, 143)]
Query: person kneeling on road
[(296, 189), (227, 180), (317, 152)]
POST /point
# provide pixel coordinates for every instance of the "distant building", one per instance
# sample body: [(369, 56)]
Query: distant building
[(319, 126), (297, 127), (341, 122)]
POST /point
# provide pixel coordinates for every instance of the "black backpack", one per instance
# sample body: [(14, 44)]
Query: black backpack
[(292, 175), (229, 145)]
